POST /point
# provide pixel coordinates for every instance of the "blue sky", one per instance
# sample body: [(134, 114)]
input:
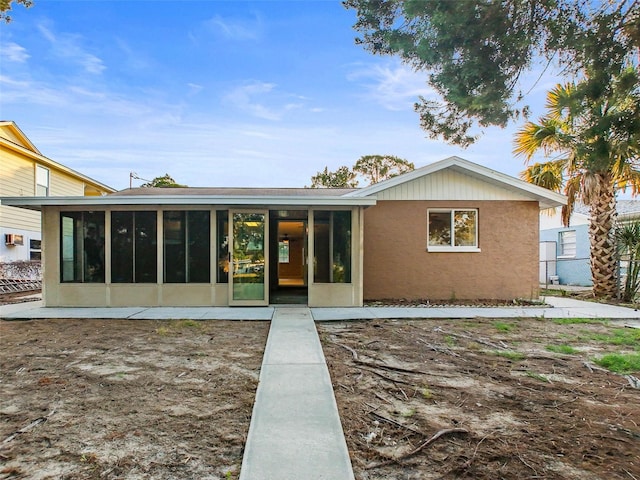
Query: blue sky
[(216, 93)]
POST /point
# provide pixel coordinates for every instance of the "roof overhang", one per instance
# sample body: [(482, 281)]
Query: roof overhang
[(244, 201), (545, 197)]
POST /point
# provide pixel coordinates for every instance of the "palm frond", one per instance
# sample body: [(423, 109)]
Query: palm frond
[(533, 137), (573, 193), (548, 174)]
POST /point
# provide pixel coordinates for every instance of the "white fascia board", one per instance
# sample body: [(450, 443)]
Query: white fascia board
[(36, 203)]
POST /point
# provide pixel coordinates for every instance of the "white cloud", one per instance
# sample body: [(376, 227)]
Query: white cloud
[(395, 87), (235, 29), (194, 88), (243, 98), (68, 46), (13, 52)]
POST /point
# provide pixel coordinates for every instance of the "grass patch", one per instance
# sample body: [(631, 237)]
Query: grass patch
[(449, 340), (176, 325), (503, 327), (510, 354), (566, 349), (618, 336), (537, 376), (426, 393), (575, 321), (620, 363)]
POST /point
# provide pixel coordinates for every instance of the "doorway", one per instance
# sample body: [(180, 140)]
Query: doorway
[(288, 257)]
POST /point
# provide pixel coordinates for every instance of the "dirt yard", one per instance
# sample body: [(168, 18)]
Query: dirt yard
[(484, 399), (419, 399), (123, 399)]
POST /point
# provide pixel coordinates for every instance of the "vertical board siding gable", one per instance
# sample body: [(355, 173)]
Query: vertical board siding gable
[(448, 185)]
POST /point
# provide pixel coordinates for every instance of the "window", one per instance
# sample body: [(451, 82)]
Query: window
[(568, 243), (452, 230), (283, 251), (133, 247), (35, 250), (222, 243), (186, 247), (82, 252), (42, 181), (332, 247)]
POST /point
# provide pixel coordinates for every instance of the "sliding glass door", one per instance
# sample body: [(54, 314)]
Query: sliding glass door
[(249, 276)]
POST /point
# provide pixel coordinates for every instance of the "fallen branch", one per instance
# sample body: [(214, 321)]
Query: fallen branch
[(33, 424), (393, 422), (633, 381), (353, 352), (439, 349), (379, 365), (593, 367), (474, 339), (446, 431), (389, 379)]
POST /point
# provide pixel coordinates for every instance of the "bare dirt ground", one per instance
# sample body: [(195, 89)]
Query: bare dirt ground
[(484, 399), (134, 399), (419, 399)]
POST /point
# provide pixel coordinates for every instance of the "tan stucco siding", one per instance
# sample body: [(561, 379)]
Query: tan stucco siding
[(398, 266)]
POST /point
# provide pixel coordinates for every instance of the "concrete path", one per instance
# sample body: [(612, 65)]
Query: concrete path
[(559, 307), (295, 430)]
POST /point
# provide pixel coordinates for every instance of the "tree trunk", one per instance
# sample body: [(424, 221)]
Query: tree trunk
[(601, 237)]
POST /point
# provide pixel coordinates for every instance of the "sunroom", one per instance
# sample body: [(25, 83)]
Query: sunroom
[(203, 247)]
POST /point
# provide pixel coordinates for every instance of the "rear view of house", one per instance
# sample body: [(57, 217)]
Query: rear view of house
[(452, 229)]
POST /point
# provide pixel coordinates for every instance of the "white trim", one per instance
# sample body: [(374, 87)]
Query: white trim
[(454, 248), (35, 203), (434, 248)]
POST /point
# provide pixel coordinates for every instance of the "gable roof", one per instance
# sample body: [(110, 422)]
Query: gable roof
[(10, 131), (12, 138), (545, 197)]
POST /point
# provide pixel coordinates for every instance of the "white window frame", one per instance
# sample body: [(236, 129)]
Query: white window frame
[(452, 247), (562, 244), (42, 173)]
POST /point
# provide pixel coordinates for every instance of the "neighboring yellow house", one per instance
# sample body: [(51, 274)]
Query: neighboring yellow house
[(25, 172)]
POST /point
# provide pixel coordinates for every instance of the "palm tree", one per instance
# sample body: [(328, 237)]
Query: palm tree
[(628, 241), (595, 136)]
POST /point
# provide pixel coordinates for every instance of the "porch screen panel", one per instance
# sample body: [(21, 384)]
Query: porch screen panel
[(321, 247), (175, 270), (341, 247), (332, 246), (82, 247), (133, 247), (186, 246), (198, 247), (122, 247)]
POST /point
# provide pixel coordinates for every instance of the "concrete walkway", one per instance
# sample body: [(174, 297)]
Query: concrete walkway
[(559, 307), (295, 430)]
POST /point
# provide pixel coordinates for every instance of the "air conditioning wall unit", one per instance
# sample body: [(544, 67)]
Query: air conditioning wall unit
[(13, 239)]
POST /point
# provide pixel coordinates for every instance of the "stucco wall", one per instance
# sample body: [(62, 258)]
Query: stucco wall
[(398, 266)]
